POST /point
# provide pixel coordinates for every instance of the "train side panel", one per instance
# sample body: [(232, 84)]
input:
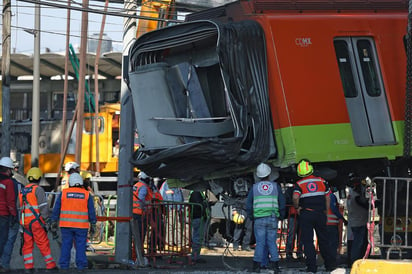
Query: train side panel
[(309, 108)]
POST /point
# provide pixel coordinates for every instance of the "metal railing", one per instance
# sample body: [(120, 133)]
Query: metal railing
[(167, 231), (391, 196)]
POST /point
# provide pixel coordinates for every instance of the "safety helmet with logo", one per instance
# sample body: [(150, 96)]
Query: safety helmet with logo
[(6, 162), (34, 174), (263, 170), (304, 168), (75, 179), (71, 165)]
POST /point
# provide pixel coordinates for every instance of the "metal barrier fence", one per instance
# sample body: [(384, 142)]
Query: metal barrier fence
[(166, 230), (390, 197)]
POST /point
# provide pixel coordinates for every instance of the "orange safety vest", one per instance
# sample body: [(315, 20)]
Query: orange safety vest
[(30, 208), (332, 219), (74, 211), (137, 204)]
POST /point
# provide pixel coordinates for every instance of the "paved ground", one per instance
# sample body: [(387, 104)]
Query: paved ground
[(218, 260)]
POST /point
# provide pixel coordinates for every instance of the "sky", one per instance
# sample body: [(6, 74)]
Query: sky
[(53, 26), (54, 20)]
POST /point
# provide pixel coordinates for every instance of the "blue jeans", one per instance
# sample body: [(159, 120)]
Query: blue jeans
[(266, 234), (359, 243), (196, 237), (79, 236), (8, 248), (4, 234)]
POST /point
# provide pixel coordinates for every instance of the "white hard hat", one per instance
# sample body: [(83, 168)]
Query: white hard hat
[(75, 179), (6, 162), (143, 175), (263, 170), (71, 165)]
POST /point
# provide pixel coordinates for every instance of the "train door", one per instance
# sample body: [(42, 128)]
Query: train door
[(364, 91)]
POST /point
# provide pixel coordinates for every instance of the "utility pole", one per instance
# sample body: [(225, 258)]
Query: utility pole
[(5, 76), (65, 88), (35, 131), (82, 73), (96, 89), (127, 121)]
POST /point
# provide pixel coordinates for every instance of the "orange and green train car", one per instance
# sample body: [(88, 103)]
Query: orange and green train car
[(274, 81)]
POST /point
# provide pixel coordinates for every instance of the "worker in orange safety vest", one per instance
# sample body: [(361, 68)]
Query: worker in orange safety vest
[(75, 210), (142, 195), (34, 218)]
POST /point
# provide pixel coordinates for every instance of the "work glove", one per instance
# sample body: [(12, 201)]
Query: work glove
[(92, 229), (53, 227)]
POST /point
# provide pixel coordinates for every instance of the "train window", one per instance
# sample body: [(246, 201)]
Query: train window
[(345, 68), (89, 122), (367, 63)]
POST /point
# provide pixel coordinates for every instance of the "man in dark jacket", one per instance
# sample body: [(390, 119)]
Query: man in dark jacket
[(8, 213), (13, 230)]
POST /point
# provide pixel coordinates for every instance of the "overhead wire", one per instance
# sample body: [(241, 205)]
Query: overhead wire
[(17, 13), (62, 34), (71, 19), (96, 9), (90, 10), (58, 32)]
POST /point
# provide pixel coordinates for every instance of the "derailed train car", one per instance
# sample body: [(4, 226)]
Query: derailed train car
[(277, 82), (274, 81)]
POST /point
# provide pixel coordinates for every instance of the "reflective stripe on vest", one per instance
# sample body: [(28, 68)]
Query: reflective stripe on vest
[(74, 212), (265, 199), (332, 219), (27, 214), (312, 187)]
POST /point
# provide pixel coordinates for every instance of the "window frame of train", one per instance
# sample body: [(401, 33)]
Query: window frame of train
[(364, 91)]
